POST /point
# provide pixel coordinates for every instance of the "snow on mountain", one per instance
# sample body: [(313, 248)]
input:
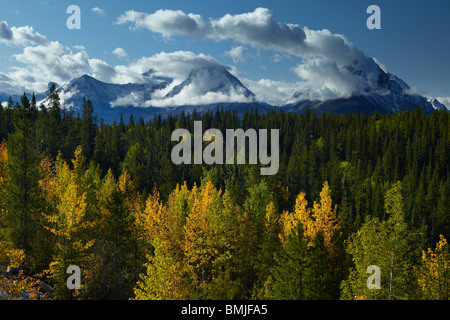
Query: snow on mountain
[(210, 87), (375, 90), (203, 86), (104, 94), (436, 104)]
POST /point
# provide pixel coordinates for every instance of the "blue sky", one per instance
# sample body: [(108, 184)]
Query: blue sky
[(413, 43)]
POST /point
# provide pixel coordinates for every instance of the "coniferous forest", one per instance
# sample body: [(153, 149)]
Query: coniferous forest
[(352, 191)]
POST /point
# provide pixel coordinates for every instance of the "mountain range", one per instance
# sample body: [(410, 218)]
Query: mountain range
[(212, 87)]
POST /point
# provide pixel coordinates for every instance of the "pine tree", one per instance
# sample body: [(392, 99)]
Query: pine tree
[(289, 272), (252, 233), (53, 123), (117, 260), (23, 200), (88, 128)]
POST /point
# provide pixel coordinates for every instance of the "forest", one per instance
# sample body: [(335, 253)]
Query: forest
[(352, 191)]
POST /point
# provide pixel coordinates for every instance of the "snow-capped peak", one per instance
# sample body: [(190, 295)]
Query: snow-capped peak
[(373, 88), (215, 79), (436, 104)]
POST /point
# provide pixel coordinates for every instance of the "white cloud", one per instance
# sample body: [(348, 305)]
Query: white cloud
[(46, 61), (43, 63), (176, 65), (189, 96), (327, 80), (21, 36), (326, 58), (237, 54), (277, 57), (166, 22), (445, 101), (258, 28), (98, 11), (53, 61), (121, 53), (101, 70), (133, 99), (26, 35), (272, 91), (79, 48)]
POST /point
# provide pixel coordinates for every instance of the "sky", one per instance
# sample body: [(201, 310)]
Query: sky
[(274, 47)]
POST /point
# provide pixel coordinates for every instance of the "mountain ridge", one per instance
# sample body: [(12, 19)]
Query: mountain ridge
[(213, 87)]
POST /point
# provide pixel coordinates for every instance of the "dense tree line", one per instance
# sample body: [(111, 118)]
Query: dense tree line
[(352, 190)]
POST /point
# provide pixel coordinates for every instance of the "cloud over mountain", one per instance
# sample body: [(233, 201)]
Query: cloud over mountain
[(328, 65), (43, 61), (325, 59)]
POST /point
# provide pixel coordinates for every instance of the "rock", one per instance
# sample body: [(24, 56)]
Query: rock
[(11, 272)]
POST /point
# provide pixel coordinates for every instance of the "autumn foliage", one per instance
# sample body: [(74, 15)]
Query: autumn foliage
[(352, 191)]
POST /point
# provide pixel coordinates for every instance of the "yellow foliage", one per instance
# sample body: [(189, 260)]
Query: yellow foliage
[(153, 220), (16, 257), (289, 221), (3, 160), (65, 189), (20, 284), (124, 182), (14, 288), (270, 217), (197, 245), (47, 168), (322, 217), (3, 157), (434, 273), (325, 216)]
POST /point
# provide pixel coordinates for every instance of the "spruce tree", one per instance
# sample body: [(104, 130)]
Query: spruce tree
[(23, 199), (88, 127)]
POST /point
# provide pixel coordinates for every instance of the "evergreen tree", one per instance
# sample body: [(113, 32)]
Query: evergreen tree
[(23, 200), (117, 262), (88, 128), (53, 129)]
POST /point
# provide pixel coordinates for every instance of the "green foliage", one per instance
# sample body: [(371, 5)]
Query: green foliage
[(183, 241), (386, 244), (22, 195)]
